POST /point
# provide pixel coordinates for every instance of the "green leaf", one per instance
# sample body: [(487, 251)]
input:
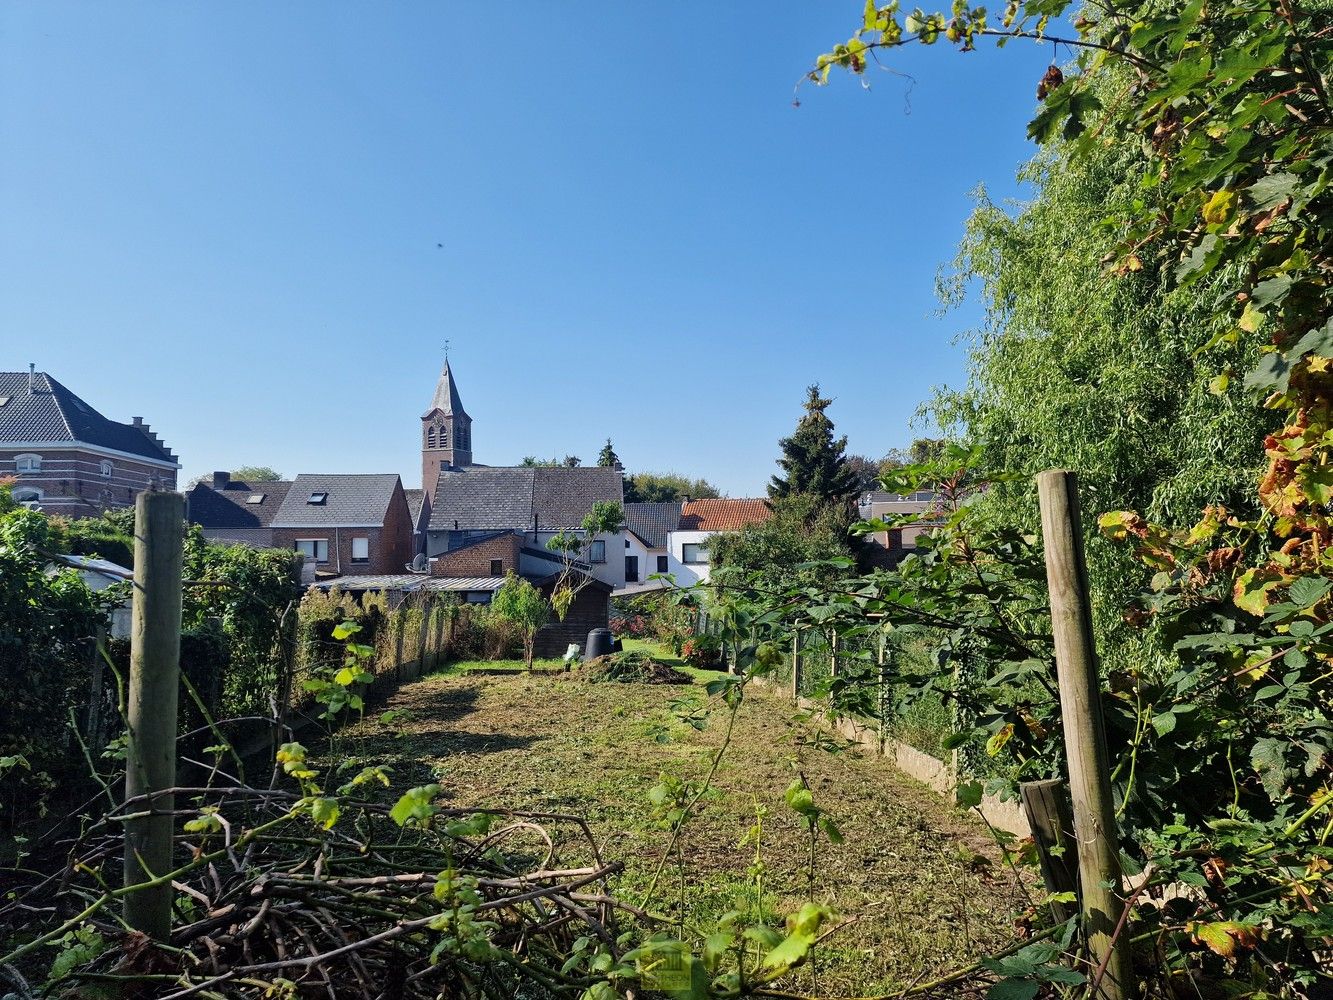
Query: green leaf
[(325, 812), (1308, 591), (1164, 723), (416, 805), (1012, 989), (968, 794), (345, 630)]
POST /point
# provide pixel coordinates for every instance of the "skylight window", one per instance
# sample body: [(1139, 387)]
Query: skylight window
[(255, 498), (4, 400), (318, 498)]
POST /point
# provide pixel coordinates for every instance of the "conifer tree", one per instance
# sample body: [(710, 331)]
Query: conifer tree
[(813, 462), (607, 457)]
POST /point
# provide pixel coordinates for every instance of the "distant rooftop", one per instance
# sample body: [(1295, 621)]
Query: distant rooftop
[(723, 515), (38, 410)]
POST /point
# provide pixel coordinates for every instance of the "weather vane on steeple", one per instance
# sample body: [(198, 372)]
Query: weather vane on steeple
[(446, 350)]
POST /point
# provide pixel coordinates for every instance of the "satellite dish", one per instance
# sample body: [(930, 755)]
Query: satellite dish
[(419, 563)]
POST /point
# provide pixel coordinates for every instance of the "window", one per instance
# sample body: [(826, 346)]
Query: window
[(695, 553), (28, 463), (626, 543), (4, 400), (314, 548), (597, 551), (497, 567), (444, 437), (107, 469), (360, 550), (255, 498), (28, 496), (631, 569), (478, 597), (661, 564), (430, 438), (318, 499)]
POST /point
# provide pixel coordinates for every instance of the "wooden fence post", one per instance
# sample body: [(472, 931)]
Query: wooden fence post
[(441, 610), (1084, 732), (401, 630), (885, 700), (795, 666), (150, 761), (833, 654), (1046, 805), (424, 638)]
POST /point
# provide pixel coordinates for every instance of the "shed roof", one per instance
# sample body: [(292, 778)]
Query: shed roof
[(349, 501), (49, 413)]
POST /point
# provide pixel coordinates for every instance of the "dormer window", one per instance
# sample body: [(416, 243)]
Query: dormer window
[(318, 499), (107, 470), (28, 463)]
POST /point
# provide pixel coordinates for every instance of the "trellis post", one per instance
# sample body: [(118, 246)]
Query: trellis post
[(795, 666), (1084, 733), (150, 761)]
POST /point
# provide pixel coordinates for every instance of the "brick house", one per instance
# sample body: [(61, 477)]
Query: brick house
[(68, 458), (346, 524), (230, 510)]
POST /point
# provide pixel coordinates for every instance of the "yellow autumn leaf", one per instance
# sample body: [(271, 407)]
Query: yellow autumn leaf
[(1218, 209)]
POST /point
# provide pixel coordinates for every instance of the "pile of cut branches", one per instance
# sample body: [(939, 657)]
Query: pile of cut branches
[(285, 894), (633, 667)]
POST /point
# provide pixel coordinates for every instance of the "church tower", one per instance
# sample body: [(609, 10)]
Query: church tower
[(446, 432)]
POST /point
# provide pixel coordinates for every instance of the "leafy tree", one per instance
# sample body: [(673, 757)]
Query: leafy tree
[(521, 604), (664, 487), (568, 462), (242, 474), (607, 457), (50, 619), (1071, 370), (803, 529), (866, 470), (605, 518), (813, 461), (256, 474)]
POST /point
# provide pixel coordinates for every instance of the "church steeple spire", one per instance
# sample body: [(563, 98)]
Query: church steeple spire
[(446, 398), (446, 431)]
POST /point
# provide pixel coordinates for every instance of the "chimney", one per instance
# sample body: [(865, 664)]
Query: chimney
[(32, 378), (221, 480), (137, 421)]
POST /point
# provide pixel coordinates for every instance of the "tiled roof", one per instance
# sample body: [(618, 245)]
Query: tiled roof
[(518, 498), (415, 498), (51, 413), (229, 507), (446, 395), (653, 521), (723, 515), (411, 582), (350, 501), (562, 498), (480, 499)]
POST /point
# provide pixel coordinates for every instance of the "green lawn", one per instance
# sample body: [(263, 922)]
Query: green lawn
[(921, 886)]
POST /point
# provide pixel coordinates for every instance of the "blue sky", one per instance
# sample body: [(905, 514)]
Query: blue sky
[(256, 224)]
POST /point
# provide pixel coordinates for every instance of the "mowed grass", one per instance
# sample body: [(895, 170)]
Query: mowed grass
[(922, 888)]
